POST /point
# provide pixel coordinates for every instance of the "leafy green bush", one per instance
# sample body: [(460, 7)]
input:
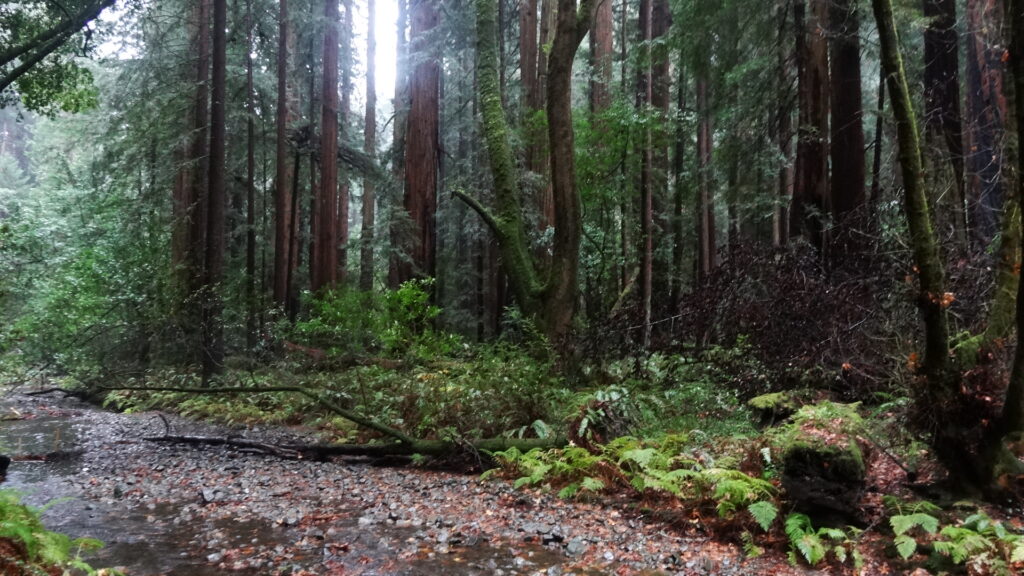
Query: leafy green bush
[(41, 548), (656, 467), (347, 322)]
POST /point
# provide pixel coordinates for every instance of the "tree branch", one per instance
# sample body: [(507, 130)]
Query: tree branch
[(481, 210), (83, 17), (344, 413)]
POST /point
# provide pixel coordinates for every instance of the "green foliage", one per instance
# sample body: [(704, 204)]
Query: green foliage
[(654, 467), (42, 547), (815, 546), (346, 322), (664, 393), (987, 546)]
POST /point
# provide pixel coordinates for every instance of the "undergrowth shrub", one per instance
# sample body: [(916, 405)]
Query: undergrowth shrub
[(397, 323), (659, 468), (32, 549)]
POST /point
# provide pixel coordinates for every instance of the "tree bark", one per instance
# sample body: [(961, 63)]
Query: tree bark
[(551, 299), (784, 136), (601, 57), (943, 128), (643, 104), (344, 184), (810, 193), (931, 283), (706, 249), (213, 327), (283, 216), (422, 147), (988, 123), (370, 148), (250, 187), (324, 264), (847, 126)]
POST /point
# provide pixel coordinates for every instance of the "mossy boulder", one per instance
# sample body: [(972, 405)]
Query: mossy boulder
[(777, 406), (823, 462)]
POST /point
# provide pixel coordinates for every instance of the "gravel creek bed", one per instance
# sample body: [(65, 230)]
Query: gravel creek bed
[(197, 511)]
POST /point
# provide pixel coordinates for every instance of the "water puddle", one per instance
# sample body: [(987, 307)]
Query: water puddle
[(151, 538)]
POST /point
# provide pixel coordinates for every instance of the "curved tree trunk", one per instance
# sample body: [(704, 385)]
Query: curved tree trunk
[(549, 299), (915, 203)]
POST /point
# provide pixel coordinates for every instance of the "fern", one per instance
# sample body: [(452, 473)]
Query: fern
[(764, 514), (903, 524)]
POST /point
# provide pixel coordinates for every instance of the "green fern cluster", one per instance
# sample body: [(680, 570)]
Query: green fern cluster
[(43, 548), (986, 545), (818, 545), (644, 467)]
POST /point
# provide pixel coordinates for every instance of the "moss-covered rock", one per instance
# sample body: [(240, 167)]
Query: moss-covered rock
[(776, 407), (822, 461)]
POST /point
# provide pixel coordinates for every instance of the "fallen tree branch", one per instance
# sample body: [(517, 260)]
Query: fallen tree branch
[(322, 451), (405, 445), (333, 407), (280, 451)]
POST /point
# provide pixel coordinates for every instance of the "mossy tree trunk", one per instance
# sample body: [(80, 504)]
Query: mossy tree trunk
[(1013, 409), (931, 283), (547, 294)]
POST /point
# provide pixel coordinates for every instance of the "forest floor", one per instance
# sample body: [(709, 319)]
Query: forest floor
[(177, 510)]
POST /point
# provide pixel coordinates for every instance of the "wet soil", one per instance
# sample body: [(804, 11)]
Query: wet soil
[(185, 510)]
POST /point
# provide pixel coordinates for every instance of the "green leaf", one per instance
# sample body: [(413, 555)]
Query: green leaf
[(569, 491), (1018, 552), (811, 547), (903, 524), (593, 484), (905, 546), (641, 456), (764, 514)]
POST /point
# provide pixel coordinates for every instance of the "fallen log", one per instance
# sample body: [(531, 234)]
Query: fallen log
[(322, 451), (404, 444)]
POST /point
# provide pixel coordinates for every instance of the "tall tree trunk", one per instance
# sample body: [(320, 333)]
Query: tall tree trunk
[(943, 130), (398, 146), (1002, 95), (422, 146), (1012, 420), (370, 148), (643, 103), (200, 196), (250, 186), (551, 299), (191, 185), (344, 184), (601, 57), (283, 217), (784, 120), (810, 194), (987, 121), (706, 249), (661, 99), (847, 147), (324, 266), (679, 191), (213, 327), (876, 163), (932, 291)]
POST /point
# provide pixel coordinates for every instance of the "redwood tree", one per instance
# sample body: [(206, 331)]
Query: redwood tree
[(283, 213), (847, 126), (213, 328), (422, 146), (324, 266), (370, 147)]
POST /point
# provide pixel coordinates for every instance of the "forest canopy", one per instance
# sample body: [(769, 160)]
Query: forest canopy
[(614, 218)]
